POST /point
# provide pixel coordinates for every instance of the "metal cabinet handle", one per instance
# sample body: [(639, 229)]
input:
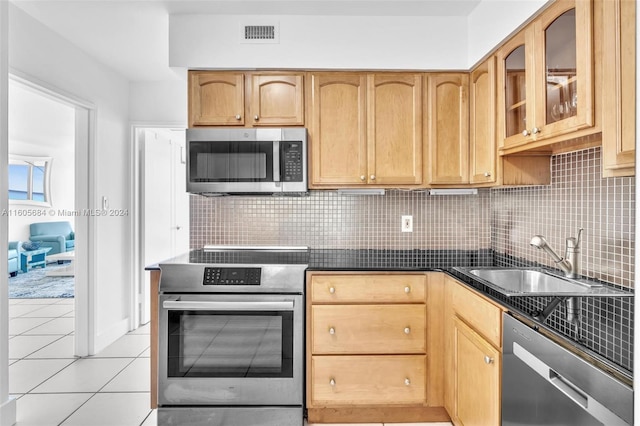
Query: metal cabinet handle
[(373, 177), (407, 330), (332, 382), (488, 359), (407, 289), (536, 130), (407, 382), (526, 133), (238, 116), (255, 117), (332, 290), (362, 177), (332, 330), (487, 174)]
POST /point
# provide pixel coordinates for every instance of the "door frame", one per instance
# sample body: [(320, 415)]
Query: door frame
[(137, 266), (85, 226)]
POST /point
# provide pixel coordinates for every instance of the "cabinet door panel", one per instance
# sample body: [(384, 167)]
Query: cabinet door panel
[(564, 76), (619, 82), (379, 288), (448, 128), (366, 380), (337, 129), (482, 136), (477, 378), (395, 129), (277, 100), (368, 329), (216, 99)]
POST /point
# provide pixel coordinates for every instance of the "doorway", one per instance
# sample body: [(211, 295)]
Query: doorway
[(44, 124), (161, 207)]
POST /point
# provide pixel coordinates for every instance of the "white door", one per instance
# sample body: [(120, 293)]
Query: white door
[(164, 227)]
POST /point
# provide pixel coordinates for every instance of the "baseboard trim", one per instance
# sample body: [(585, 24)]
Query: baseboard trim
[(109, 336), (378, 414), (8, 412)]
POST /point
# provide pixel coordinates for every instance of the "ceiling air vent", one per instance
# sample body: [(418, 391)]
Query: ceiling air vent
[(252, 33)]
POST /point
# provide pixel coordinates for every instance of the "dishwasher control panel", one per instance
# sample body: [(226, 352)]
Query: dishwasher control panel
[(231, 276)]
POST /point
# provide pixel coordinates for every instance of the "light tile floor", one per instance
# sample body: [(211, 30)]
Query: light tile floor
[(54, 388)]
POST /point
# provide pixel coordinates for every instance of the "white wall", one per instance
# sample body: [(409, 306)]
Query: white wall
[(7, 403), (337, 42), (44, 56), (493, 20), (159, 102), (53, 136)]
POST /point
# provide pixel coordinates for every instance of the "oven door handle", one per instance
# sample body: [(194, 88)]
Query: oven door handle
[(286, 305)]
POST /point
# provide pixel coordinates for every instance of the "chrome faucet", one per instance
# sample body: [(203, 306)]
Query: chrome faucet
[(570, 263)]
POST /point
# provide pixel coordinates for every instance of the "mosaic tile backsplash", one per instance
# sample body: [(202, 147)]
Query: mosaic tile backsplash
[(498, 220)]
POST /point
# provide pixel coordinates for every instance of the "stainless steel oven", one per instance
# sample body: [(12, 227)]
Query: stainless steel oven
[(232, 338)]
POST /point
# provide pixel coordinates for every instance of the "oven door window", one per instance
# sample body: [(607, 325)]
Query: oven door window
[(230, 344), (246, 161)]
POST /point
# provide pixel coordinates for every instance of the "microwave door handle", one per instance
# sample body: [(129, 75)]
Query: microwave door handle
[(228, 306), (276, 161)]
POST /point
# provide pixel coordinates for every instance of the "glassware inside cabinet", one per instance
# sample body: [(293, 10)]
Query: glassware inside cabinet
[(515, 92), (560, 61)]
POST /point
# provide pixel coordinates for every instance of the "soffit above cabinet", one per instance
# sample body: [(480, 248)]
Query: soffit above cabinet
[(360, 34)]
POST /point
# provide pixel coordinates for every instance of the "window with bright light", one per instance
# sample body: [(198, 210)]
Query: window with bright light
[(29, 180)]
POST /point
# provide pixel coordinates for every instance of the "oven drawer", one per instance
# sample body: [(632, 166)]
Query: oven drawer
[(372, 288), (368, 380), (368, 329)]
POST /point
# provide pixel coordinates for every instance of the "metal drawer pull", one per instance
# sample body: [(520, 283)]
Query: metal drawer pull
[(228, 306), (238, 117), (332, 382), (407, 289), (255, 117), (407, 330), (488, 359), (536, 130), (332, 330), (407, 381), (332, 290), (526, 133)]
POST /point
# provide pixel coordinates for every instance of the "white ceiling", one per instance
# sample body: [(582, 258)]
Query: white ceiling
[(132, 36)]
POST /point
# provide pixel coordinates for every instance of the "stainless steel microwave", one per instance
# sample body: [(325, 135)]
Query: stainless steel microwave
[(247, 161)]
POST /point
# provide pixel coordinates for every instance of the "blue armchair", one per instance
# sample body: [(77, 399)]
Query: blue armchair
[(57, 235), (14, 257)]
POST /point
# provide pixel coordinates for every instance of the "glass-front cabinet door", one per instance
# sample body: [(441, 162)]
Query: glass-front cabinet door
[(564, 85), (517, 81), (546, 75)]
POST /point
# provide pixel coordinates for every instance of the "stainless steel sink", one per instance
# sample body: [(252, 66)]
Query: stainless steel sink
[(534, 282)]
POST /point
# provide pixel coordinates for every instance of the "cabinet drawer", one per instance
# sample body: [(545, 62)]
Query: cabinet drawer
[(350, 380), (485, 317), (368, 329), (368, 288)]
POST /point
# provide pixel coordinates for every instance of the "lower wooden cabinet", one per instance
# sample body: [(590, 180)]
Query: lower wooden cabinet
[(476, 377), (370, 347), (473, 356), (368, 380)]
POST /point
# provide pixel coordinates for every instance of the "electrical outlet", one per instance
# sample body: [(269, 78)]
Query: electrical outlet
[(407, 224)]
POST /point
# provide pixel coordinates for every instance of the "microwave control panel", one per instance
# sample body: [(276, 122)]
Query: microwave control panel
[(231, 276), (291, 161)]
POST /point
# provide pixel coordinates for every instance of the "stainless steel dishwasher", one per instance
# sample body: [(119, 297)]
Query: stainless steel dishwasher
[(543, 383)]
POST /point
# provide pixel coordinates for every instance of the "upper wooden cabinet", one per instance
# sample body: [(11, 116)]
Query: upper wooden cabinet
[(545, 76), (365, 130), (618, 87), (245, 99), (482, 123), (448, 127)]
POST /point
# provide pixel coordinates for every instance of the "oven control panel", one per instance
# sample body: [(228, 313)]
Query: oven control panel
[(231, 276)]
